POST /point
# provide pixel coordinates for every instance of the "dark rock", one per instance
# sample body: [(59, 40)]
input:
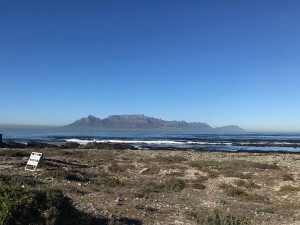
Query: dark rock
[(12, 144), (35, 144), (70, 145), (112, 146)]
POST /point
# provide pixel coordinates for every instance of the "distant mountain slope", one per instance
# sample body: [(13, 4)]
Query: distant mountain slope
[(142, 122)]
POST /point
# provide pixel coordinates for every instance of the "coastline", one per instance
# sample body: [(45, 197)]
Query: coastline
[(168, 187)]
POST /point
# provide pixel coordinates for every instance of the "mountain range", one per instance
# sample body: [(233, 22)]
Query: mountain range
[(142, 122)]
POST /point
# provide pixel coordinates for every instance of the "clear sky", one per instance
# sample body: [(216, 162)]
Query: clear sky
[(219, 62)]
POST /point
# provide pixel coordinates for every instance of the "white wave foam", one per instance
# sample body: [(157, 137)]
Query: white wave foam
[(84, 142), (208, 143)]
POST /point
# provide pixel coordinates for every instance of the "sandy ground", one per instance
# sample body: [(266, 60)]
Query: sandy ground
[(169, 187)]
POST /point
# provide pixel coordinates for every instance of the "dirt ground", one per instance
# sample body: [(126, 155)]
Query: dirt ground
[(170, 187)]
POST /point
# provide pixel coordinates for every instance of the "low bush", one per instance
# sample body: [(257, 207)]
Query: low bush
[(108, 182), (26, 205), (199, 183), (173, 184), (215, 217), (241, 194), (18, 180), (147, 189), (266, 210), (288, 188)]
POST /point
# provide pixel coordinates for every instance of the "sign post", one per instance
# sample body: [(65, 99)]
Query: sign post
[(34, 161)]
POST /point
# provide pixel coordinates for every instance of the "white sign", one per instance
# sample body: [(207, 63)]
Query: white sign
[(34, 161)]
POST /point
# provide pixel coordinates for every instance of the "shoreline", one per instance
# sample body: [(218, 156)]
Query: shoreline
[(124, 146)]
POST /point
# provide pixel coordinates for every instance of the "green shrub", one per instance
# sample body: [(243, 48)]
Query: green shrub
[(25, 205), (18, 180)]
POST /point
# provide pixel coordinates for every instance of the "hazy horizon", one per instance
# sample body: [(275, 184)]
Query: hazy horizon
[(47, 126), (221, 63)]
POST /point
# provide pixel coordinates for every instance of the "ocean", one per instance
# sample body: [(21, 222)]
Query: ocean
[(256, 142)]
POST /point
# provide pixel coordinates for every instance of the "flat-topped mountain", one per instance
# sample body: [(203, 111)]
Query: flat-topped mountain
[(142, 122)]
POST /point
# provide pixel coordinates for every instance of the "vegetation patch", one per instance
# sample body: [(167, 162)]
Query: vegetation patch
[(147, 209), (14, 153), (241, 194), (147, 189), (66, 175), (266, 210), (18, 180), (288, 189), (230, 167), (287, 177), (173, 184), (153, 170), (170, 159), (109, 182), (216, 217), (199, 183), (26, 205), (246, 184), (116, 168)]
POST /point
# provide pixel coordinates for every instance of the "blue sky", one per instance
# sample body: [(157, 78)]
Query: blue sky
[(219, 62)]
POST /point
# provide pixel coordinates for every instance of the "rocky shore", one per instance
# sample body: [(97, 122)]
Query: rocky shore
[(123, 185)]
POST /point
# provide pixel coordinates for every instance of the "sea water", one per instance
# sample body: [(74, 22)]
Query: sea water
[(286, 142)]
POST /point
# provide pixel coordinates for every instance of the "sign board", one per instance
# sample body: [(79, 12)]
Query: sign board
[(34, 161)]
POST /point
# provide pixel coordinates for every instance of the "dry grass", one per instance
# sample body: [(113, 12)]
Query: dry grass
[(216, 217), (188, 187), (288, 189)]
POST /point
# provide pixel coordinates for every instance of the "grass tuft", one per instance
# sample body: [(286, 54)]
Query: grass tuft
[(215, 217), (173, 184), (109, 182), (288, 189)]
